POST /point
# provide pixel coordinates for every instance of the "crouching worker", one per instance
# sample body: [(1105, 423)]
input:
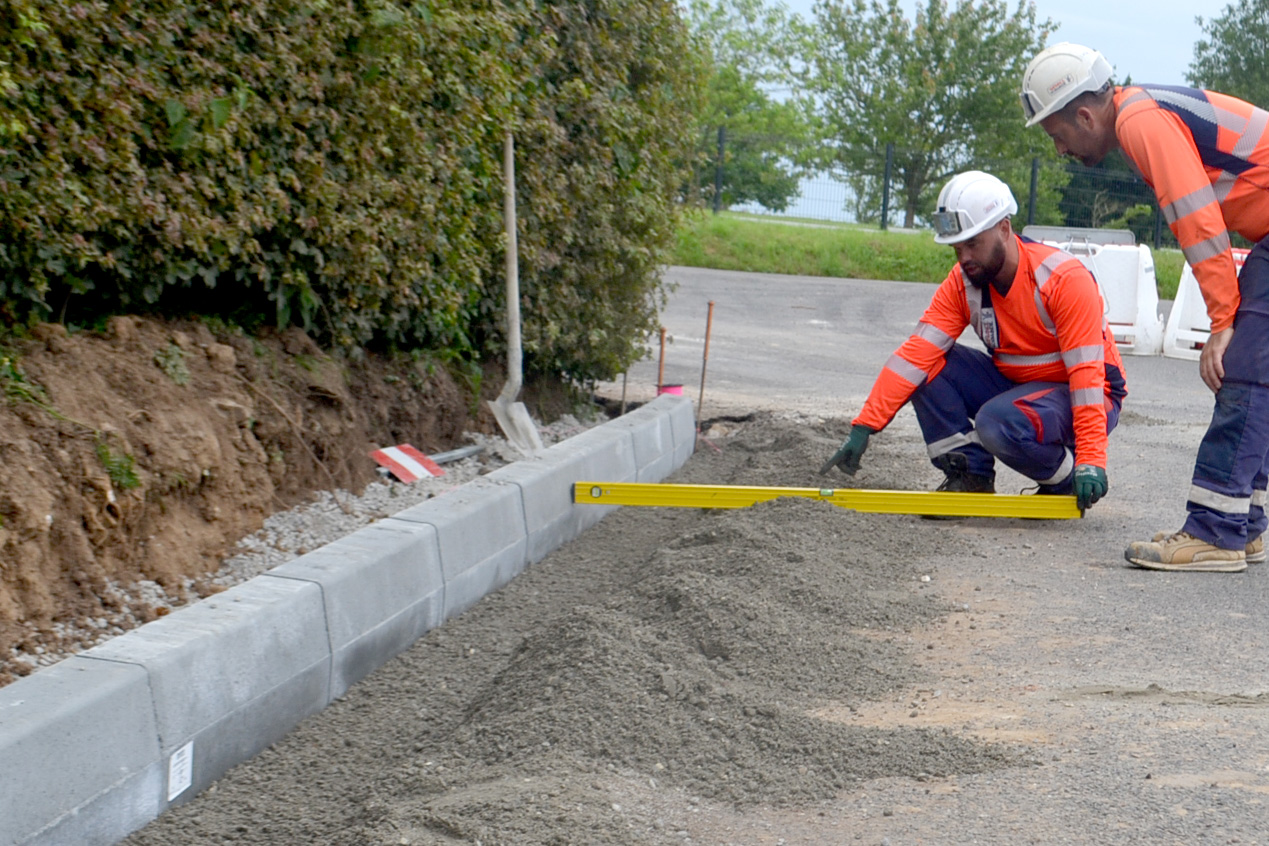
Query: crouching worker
[(1048, 393)]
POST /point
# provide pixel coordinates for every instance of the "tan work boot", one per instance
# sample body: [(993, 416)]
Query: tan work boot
[(1255, 550), (1182, 552)]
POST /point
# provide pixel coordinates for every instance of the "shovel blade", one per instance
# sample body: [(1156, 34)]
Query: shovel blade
[(516, 424)]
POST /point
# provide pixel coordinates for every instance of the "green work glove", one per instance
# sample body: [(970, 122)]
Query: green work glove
[(1090, 485), (848, 454)]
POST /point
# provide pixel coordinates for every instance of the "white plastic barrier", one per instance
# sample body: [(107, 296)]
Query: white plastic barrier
[(1130, 295), (1124, 272), (1188, 324)]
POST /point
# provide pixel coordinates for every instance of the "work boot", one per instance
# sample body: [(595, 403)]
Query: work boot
[(959, 480), (1065, 489), (1255, 550), (1182, 552)]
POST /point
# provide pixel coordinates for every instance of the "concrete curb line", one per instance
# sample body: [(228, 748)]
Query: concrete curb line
[(98, 745)]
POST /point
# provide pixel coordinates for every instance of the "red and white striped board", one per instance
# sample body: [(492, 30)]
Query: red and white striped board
[(406, 463)]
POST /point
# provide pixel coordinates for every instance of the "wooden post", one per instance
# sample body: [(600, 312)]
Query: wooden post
[(700, 403), (661, 367)]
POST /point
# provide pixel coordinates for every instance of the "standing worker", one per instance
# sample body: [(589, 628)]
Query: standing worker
[(1048, 394), (1206, 155)]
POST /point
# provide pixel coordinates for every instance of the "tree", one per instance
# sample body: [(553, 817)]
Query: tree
[(1231, 57), (943, 90), (748, 94), (1111, 196)]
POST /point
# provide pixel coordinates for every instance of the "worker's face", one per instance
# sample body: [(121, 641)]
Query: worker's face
[(982, 257), (1079, 136)]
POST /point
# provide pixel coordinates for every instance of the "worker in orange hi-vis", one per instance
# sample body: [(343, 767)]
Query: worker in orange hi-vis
[(1046, 394), (1206, 156)]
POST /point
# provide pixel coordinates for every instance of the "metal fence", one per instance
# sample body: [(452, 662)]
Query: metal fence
[(1049, 192)]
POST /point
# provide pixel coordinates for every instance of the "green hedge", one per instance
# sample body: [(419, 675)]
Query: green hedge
[(337, 165)]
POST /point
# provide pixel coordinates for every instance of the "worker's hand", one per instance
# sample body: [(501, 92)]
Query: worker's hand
[(848, 454), (1212, 359), (1090, 485)]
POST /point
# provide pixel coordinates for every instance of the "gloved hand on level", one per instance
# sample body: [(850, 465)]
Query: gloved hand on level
[(1090, 485), (848, 454)]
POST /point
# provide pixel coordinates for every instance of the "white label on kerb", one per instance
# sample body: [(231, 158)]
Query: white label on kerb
[(180, 771)]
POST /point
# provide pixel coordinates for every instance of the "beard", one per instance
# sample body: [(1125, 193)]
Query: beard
[(984, 272)]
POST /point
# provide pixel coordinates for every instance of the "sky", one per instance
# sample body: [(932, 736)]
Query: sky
[(1153, 40)]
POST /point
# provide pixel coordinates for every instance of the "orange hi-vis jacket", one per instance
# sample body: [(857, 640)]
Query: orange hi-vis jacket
[(1206, 155), (1049, 328)]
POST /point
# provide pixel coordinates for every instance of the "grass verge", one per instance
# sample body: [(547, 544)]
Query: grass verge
[(767, 245)]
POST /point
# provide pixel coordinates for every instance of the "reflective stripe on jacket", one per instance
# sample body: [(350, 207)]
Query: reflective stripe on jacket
[(1049, 328), (1206, 155)]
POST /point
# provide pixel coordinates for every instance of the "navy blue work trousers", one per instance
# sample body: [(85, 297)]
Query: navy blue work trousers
[(973, 409), (1226, 503)]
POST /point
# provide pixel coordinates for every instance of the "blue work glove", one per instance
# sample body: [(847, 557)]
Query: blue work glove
[(848, 454), (1090, 485)]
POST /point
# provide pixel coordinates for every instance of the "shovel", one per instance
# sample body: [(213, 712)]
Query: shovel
[(513, 418)]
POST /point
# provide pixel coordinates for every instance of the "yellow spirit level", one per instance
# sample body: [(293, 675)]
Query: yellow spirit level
[(877, 502)]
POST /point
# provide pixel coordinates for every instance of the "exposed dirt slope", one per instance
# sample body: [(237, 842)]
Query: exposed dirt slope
[(142, 453)]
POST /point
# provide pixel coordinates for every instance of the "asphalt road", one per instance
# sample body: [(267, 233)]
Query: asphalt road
[(1142, 694), (815, 344)]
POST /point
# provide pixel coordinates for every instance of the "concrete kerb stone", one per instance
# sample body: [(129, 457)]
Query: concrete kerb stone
[(546, 482), (230, 674), (100, 744), (383, 589), (682, 430), (651, 431), (79, 754), (482, 536), (664, 435), (646, 445)]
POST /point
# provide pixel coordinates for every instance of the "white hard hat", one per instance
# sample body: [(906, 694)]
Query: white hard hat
[(1059, 74), (969, 203)]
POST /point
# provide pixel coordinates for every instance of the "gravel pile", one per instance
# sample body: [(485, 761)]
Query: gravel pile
[(671, 661)]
